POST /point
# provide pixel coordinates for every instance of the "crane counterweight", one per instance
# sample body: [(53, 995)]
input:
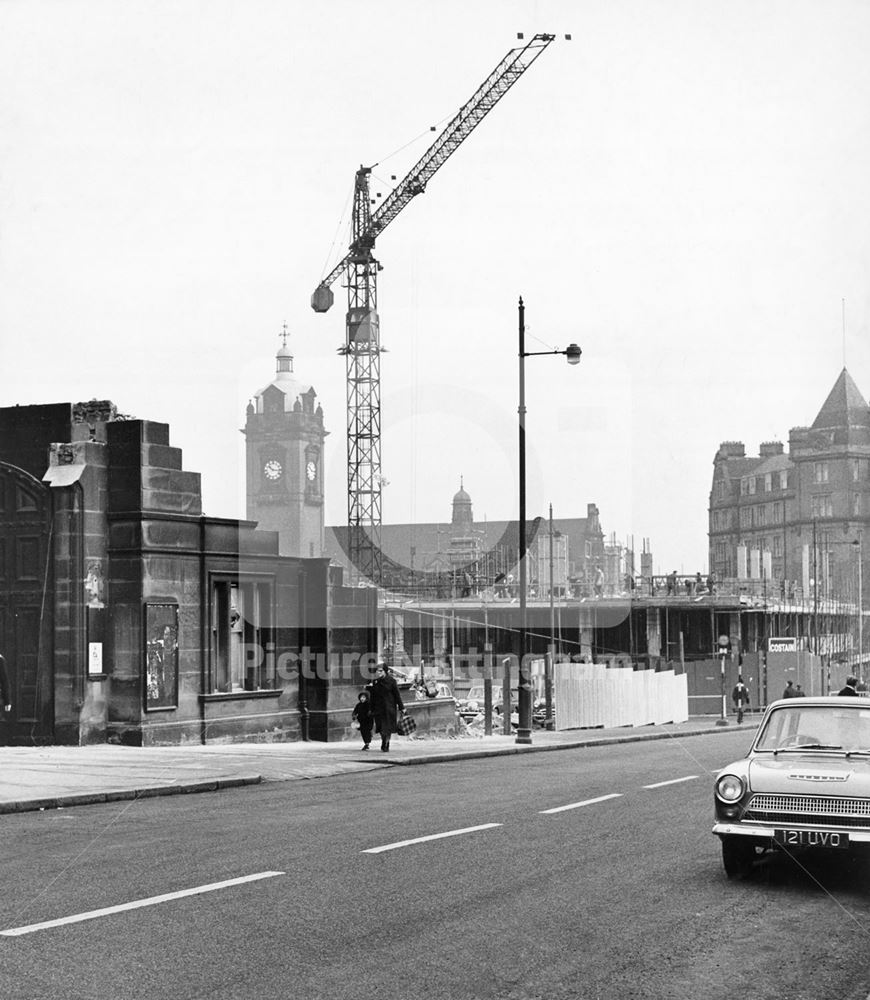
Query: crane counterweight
[(322, 299)]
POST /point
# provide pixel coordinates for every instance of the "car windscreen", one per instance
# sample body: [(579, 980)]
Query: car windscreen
[(820, 727)]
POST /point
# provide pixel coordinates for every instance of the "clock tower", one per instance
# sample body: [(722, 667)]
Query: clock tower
[(284, 439)]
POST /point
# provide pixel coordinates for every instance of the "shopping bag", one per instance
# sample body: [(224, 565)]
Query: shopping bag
[(405, 725)]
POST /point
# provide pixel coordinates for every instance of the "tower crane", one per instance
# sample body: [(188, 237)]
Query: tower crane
[(362, 346)]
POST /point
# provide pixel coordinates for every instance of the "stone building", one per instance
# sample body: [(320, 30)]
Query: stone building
[(796, 520), (128, 615)]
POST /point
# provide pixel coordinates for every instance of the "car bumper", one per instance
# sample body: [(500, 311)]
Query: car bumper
[(767, 832)]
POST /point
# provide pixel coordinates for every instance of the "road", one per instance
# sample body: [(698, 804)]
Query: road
[(574, 874)]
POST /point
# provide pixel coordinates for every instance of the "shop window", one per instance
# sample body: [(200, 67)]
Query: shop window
[(241, 630)]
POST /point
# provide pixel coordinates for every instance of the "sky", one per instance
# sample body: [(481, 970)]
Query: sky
[(681, 189)]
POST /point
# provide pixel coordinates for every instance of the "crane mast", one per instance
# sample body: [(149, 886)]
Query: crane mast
[(362, 346)]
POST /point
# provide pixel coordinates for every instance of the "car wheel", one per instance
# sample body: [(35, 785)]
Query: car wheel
[(738, 854)]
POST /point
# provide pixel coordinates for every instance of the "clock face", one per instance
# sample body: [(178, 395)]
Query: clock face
[(311, 471), (272, 470)]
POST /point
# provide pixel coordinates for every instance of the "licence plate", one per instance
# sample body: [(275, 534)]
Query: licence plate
[(810, 838)]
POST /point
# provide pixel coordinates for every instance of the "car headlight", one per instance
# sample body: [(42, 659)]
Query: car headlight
[(730, 788)]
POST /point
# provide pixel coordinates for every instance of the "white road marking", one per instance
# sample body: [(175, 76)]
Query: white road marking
[(673, 781), (136, 904), (432, 836), (577, 805)]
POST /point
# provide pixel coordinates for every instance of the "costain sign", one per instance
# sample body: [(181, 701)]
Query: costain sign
[(787, 644)]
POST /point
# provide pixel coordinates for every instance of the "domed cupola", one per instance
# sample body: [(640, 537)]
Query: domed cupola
[(285, 382), (462, 513)]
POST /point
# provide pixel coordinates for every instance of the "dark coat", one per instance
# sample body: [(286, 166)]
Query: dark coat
[(386, 704), (362, 711), (740, 694), (5, 690)]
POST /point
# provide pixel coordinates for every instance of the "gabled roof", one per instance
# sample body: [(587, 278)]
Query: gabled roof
[(844, 407)]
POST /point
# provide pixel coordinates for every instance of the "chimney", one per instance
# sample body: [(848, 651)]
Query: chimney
[(731, 449)]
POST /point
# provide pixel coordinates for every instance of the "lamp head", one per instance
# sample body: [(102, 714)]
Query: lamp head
[(572, 354)]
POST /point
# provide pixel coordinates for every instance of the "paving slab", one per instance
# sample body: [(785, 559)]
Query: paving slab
[(52, 777)]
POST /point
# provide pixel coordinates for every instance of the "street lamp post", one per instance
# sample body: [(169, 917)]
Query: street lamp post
[(551, 656), (723, 652), (524, 693), (859, 547)]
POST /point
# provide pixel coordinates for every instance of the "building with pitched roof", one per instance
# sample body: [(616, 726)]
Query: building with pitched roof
[(796, 520), (465, 555)]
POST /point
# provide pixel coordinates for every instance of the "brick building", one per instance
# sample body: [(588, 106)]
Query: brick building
[(796, 520)]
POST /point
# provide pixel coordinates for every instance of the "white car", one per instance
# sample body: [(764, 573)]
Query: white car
[(803, 785)]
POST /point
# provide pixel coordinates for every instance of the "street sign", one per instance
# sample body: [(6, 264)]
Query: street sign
[(787, 644)]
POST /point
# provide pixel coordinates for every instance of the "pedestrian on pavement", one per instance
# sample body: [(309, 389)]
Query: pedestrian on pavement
[(740, 697), (386, 704), (850, 688), (362, 714), (5, 690), (799, 692), (789, 690)]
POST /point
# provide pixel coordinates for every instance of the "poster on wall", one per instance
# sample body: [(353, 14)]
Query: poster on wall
[(95, 659), (161, 656)]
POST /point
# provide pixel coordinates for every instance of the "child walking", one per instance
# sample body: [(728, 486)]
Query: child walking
[(362, 713)]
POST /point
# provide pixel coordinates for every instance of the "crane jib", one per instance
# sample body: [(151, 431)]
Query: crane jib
[(469, 116)]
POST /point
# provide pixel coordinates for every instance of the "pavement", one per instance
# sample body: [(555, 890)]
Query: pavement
[(34, 778)]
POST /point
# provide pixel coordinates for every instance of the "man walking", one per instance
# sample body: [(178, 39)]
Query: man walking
[(740, 697)]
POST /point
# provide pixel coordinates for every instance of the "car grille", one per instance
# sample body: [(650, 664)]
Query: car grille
[(816, 810)]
